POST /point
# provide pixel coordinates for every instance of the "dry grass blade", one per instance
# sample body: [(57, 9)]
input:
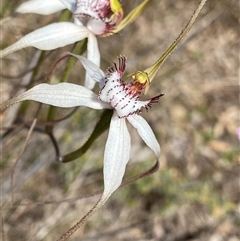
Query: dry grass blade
[(20, 156)]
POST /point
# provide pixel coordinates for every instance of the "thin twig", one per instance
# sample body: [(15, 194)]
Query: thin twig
[(20, 155)]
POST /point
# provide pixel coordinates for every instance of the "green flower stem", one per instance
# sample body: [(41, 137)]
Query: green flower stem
[(65, 16), (101, 126)]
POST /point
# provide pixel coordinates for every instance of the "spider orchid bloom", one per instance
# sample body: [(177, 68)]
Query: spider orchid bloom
[(91, 17), (114, 94)]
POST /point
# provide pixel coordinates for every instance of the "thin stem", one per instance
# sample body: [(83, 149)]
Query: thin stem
[(100, 128), (155, 67)]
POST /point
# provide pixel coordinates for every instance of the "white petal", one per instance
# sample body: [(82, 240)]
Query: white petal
[(44, 7), (69, 4), (93, 55), (146, 133), (116, 156), (92, 69), (61, 95), (49, 37), (78, 22)]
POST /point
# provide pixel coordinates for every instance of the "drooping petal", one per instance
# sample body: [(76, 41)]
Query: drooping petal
[(49, 37), (92, 50), (44, 7), (146, 133), (93, 55), (116, 156), (92, 69), (60, 95)]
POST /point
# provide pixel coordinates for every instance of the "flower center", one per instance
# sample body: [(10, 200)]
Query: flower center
[(124, 97), (100, 16)]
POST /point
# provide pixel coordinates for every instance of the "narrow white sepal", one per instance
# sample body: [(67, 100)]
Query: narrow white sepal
[(43, 7), (146, 133), (92, 69), (49, 37), (61, 95), (78, 22), (93, 55), (116, 156)]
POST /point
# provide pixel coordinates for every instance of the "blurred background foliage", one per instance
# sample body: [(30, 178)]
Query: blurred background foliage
[(195, 194)]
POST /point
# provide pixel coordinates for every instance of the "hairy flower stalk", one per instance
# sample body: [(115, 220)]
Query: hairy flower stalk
[(91, 18)]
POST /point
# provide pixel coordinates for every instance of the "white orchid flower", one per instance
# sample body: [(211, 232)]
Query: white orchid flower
[(114, 94), (91, 17)]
